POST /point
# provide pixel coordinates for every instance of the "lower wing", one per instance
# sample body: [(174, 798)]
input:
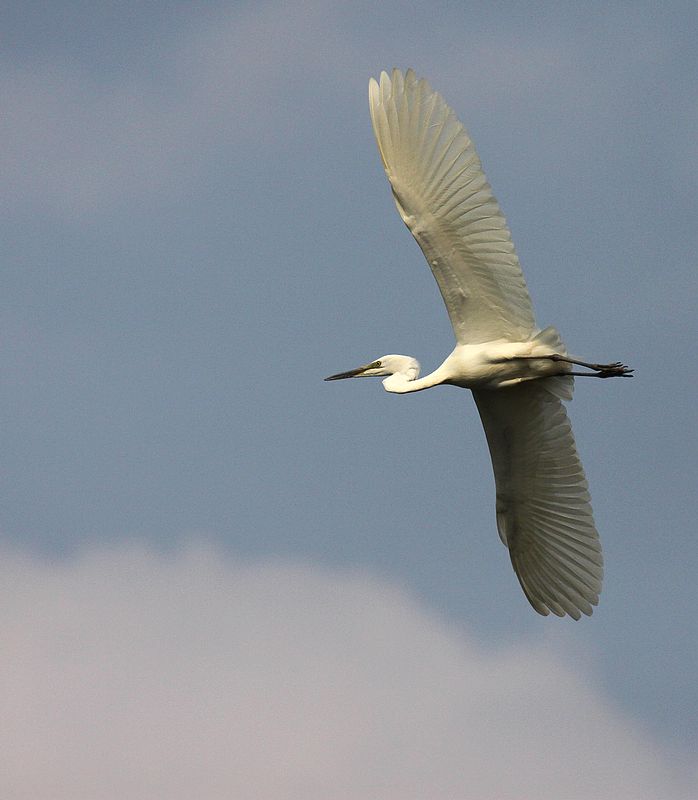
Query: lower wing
[(544, 511)]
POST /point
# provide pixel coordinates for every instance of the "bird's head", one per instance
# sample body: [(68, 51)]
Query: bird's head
[(405, 366)]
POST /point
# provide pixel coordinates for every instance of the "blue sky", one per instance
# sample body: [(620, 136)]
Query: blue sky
[(197, 230)]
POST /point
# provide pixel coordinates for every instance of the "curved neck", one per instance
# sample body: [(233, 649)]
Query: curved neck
[(401, 383)]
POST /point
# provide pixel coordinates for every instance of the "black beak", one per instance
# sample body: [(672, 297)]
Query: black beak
[(351, 374)]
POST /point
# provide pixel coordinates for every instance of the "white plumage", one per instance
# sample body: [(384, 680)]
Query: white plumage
[(518, 374), (444, 199)]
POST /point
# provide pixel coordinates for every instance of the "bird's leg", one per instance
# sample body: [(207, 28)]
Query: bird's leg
[(623, 372), (614, 370)]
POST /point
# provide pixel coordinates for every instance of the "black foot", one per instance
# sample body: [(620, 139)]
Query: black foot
[(616, 370)]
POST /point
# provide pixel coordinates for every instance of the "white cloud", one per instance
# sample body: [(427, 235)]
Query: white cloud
[(128, 674)]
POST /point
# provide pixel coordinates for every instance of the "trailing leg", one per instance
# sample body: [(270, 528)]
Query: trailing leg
[(614, 370)]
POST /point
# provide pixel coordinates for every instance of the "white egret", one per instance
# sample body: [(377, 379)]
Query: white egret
[(518, 373)]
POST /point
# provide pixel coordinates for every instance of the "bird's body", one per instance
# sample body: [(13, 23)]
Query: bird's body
[(490, 365), (518, 373)]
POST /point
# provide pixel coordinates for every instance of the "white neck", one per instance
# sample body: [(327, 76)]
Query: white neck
[(403, 382)]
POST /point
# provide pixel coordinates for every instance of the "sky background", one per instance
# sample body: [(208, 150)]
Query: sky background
[(222, 577)]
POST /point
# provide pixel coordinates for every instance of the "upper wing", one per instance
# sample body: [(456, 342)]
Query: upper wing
[(444, 199), (543, 506)]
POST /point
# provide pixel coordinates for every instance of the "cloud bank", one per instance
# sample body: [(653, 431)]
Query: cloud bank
[(130, 674), (75, 140)]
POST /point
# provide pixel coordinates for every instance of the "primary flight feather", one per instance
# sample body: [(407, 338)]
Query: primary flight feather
[(518, 373)]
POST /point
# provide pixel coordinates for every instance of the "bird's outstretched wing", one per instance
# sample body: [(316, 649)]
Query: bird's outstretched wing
[(543, 507), (444, 199)]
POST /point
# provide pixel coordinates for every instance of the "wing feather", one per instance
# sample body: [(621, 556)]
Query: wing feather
[(544, 511), (443, 197)]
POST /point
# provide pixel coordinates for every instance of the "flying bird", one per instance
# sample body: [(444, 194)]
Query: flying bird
[(518, 374)]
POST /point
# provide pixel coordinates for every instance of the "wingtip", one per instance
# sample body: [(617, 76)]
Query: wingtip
[(386, 81)]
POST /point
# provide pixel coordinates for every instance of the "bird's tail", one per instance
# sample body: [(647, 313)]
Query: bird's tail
[(560, 386)]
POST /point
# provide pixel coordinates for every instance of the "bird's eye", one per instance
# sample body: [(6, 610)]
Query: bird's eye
[(377, 364)]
